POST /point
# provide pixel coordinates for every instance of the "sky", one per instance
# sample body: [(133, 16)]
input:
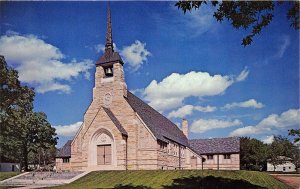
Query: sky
[(185, 66)]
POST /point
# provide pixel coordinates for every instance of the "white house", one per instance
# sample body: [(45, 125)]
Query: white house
[(287, 166)]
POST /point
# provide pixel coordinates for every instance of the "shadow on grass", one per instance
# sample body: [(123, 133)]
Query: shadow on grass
[(130, 186), (211, 182)]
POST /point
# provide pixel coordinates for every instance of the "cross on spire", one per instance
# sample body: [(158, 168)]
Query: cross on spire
[(109, 41)]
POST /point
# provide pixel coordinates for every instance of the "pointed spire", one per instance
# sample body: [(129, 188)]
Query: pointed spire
[(109, 56), (109, 41)]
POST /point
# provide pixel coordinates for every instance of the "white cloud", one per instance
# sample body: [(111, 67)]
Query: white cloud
[(188, 110), (182, 112), (268, 139), (272, 123), (285, 42), (205, 108), (193, 24), (39, 63), (67, 130), (243, 75), (251, 103), (203, 125), (172, 90), (101, 48), (135, 55)]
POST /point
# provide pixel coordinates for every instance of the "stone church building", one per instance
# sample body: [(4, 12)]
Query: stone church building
[(121, 132)]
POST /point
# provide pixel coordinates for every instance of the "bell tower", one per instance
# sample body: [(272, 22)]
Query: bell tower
[(109, 77)]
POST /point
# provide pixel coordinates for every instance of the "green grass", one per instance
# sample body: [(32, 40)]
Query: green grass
[(6, 175), (176, 180)]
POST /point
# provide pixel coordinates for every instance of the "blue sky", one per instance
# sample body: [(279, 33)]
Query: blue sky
[(187, 66)]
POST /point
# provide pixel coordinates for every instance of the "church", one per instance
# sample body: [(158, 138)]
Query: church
[(121, 132)]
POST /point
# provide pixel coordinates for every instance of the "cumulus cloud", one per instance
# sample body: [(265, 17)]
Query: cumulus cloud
[(134, 55), (40, 64), (252, 103), (67, 130), (182, 112), (203, 125), (205, 108), (188, 110), (272, 123), (268, 139), (172, 90)]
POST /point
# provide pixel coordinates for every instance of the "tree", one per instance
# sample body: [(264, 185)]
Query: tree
[(15, 103), (36, 135), (296, 134), (253, 154), (22, 130), (246, 14), (281, 150)]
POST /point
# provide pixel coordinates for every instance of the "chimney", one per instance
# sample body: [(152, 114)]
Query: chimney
[(185, 127)]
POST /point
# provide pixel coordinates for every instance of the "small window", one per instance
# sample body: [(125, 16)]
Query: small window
[(226, 156), (290, 168), (66, 160), (210, 156), (283, 168)]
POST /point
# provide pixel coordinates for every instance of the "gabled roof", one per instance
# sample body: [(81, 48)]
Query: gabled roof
[(161, 127), (115, 121), (216, 145), (109, 57), (65, 151)]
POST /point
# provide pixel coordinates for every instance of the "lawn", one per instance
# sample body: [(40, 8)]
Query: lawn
[(6, 175), (177, 180)]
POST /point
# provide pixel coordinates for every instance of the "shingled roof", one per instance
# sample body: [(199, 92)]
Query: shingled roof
[(216, 145), (161, 127), (115, 121), (65, 151)]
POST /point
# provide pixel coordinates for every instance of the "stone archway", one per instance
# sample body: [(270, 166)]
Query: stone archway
[(102, 150)]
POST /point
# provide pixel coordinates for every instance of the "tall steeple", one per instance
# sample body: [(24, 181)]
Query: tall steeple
[(109, 56), (109, 40)]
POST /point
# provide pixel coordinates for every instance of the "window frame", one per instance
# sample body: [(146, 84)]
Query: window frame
[(66, 160), (227, 156)]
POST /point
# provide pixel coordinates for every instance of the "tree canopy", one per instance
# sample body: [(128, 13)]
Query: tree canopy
[(253, 155), (23, 131), (296, 134), (255, 15)]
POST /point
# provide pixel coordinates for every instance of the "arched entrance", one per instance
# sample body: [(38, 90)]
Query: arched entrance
[(102, 149)]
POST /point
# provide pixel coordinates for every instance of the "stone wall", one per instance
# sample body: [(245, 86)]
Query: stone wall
[(224, 164), (60, 166)]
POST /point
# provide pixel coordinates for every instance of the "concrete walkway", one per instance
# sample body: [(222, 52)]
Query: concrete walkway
[(42, 179)]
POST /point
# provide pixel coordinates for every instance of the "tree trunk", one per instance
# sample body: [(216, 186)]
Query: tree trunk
[(25, 157)]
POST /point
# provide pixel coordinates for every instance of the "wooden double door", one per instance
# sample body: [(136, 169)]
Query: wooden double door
[(104, 154)]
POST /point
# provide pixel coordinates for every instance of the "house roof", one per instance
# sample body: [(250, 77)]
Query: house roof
[(65, 151), (115, 121), (161, 127), (216, 145)]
